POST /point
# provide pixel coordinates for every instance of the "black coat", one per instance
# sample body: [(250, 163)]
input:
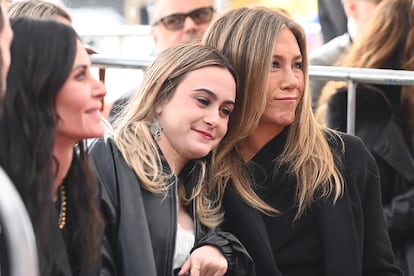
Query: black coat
[(381, 126), (141, 226), (353, 235)]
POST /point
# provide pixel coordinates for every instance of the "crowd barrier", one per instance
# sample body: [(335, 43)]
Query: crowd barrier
[(352, 75)]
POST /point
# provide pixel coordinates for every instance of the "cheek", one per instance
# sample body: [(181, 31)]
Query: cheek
[(224, 126)]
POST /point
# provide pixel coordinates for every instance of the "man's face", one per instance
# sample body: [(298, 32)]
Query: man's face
[(165, 38)]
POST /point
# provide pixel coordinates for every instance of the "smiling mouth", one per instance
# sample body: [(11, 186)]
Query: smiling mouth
[(205, 134)]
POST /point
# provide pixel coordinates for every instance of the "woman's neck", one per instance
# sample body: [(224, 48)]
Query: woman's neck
[(63, 152), (259, 137)]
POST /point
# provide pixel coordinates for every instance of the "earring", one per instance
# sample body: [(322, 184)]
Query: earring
[(156, 129)]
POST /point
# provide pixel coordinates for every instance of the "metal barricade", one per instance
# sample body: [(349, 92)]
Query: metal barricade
[(18, 231), (360, 75)]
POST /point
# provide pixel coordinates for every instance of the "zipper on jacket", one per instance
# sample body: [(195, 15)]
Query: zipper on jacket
[(170, 259)]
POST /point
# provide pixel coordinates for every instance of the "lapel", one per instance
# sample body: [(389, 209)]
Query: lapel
[(248, 226), (339, 237), (137, 247)]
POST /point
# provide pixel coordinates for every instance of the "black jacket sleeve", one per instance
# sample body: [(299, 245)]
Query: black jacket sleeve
[(239, 261)]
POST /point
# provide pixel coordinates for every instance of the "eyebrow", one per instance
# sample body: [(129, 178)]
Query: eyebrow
[(213, 95), (80, 66), (294, 58)]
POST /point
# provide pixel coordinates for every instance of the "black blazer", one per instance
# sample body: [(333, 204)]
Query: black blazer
[(354, 236), (141, 226)]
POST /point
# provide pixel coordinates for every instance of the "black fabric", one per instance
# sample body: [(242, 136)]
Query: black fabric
[(352, 233), (141, 226), (296, 245), (380, 124), (4, 258), (332, 18)]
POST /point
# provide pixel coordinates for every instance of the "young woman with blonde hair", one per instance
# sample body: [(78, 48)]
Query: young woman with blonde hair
[(161, 207)]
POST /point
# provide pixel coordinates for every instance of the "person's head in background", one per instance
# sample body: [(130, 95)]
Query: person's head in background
[(178, 21), (52, 104), (6, 36), (42, 9), (39, 9), (387, 42), (358, 13)]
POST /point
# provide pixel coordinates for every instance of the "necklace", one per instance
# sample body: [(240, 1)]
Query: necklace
[(62, 212)]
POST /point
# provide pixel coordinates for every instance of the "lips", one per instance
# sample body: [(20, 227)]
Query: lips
[(207, 135)]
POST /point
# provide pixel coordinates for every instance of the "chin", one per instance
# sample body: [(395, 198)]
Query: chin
[(198, 154)]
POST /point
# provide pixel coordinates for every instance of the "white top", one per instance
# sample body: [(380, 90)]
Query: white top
[(183, 244)]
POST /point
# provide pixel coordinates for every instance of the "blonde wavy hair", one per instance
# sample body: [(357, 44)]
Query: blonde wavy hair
[(387, 42), (132, 133), (37, 9), (247, 37)]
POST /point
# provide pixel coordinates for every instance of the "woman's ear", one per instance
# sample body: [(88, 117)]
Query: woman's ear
[(158, 109)]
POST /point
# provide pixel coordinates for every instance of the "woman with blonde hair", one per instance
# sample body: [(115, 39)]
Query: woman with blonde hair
[(160, 206), (384, 117), (323, 184)]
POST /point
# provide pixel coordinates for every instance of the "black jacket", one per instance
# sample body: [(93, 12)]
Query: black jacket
[(353, 235), (381, 126), (141, 226)]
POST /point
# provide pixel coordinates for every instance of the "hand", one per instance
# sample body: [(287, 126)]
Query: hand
[(206, 260)]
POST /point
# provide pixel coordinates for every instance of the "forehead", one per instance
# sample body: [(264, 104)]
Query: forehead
[(82, 56), (286, 40), (167, 7)]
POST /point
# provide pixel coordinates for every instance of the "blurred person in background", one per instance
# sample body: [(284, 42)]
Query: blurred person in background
[(172, 22), (6, 36), (52, 105), (332, 18), (358, 13), (48, 10), (178, 21), (384, 117)]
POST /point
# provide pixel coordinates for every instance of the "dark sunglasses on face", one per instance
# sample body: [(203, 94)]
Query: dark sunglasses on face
[(176, 21)]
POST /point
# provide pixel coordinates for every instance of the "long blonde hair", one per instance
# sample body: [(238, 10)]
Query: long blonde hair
[(132, 133), (247, 37)]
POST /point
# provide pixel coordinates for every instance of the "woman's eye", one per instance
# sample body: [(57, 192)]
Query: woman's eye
[(275, 64), (298, 65), (80, 75), (226, 111), (203, 100)]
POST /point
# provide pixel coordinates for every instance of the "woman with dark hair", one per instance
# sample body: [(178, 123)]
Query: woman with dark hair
[(53, 104)]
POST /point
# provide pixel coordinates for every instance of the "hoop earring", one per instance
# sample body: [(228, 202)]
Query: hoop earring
[(156, 129)]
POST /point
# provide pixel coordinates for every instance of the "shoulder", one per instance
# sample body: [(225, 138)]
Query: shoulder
[(356, 158), (329, 53), (101, 148)]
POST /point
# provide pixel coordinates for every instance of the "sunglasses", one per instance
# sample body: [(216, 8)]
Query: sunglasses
[(175, 22)]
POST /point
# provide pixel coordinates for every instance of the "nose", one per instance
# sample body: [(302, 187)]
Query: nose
[(290, 80), (98, 89), (189, 25), (212, 117)]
